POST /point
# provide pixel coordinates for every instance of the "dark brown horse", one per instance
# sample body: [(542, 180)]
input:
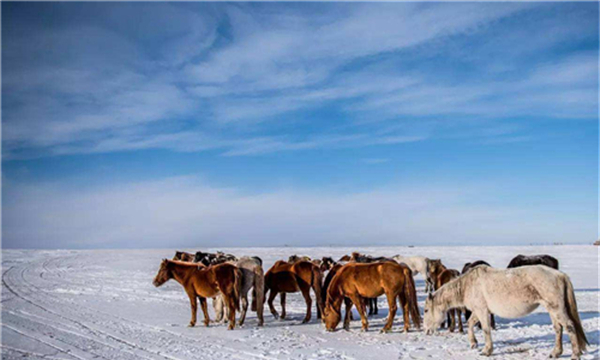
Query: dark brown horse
[(357, 281), (467, 267), (443, 278), (183, 256), (525, 260), (284, 277), (201, 282)]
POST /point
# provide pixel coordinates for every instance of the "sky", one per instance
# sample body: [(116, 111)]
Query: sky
[(192, 125)]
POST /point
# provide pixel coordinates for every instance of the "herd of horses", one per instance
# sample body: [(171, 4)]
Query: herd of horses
[(478, 291)]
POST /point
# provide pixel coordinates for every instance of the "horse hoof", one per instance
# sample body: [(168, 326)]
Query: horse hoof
[(191, 325), (486, 352), (474, 345), (305, 321)]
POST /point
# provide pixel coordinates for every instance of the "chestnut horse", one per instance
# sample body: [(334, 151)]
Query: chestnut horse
[(203, 282), (284, 277), (183, 256), (367, 259), (357, 281)]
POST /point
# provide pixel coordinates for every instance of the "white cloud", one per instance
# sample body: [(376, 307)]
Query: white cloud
[(186, 212)]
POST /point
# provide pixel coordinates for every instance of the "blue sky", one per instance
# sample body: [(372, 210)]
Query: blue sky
[(256, 124)]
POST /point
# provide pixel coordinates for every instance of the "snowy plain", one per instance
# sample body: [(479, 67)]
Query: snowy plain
[(101, 304)]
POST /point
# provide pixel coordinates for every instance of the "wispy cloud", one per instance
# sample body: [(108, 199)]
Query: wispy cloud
[(258, 78)]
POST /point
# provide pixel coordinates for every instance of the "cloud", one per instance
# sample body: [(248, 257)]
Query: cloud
[(248, 78), (188, 212)]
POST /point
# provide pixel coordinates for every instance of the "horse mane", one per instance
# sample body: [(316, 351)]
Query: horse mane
[(185, 263)]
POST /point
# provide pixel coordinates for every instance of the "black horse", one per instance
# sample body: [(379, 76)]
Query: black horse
[(525, 260), (467, 267)]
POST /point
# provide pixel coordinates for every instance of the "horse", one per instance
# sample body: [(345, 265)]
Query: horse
[(524, 260), (284, 277), (357, 281), (295, 258), (434, 269), (510, 293), (467, 267), (327, 263), (213, 259), (418, 265), (445, 277), (203, 282), (333, 267), (183, 256), (252, 278), (367, 259)]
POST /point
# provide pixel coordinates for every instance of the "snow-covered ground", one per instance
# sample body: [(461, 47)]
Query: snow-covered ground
[(102, 304)]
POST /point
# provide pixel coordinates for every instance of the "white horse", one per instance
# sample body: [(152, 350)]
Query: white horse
[(418, 264), (510, 293), (252, 278)]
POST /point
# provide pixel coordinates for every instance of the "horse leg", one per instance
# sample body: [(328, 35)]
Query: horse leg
[(484, 319), (567, 324), (306, 294), (272, 296), (348, 315), (219, 305), (471, 324), (230, 300), (405, 310), (375, 306), (452, 320), (370, 304), (194, 305), (460, 323), (360, 305), (204, 306), (493, 321), (319, 299), (393, 307), (558, 330), (244, 308), (282, 300)]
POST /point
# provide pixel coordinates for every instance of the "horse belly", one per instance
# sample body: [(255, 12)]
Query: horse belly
[(511, 310)]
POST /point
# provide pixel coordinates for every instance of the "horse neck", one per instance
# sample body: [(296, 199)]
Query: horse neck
[(181, 274), (450, 295)]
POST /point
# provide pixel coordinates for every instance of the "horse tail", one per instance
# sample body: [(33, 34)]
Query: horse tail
[(571, 305), (258, 292), (317, 285), (237, 287), (411, 296)]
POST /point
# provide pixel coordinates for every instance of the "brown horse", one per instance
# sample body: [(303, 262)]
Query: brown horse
[(357, 281), (183, 256), (367, 259), (284, 277), (203, 282), (445, 277)]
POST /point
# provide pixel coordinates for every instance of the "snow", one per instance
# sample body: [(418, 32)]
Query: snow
[(102, 304)]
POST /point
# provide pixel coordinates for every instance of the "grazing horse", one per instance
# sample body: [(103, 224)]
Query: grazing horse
[(367, 259), (418, 265), (333, 267), (523, 260), (445, 277), (252, 278), (213, 259), (510, 293), (203, 282), (183, 256), (284, 277), (357, 281), (467, 267)]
